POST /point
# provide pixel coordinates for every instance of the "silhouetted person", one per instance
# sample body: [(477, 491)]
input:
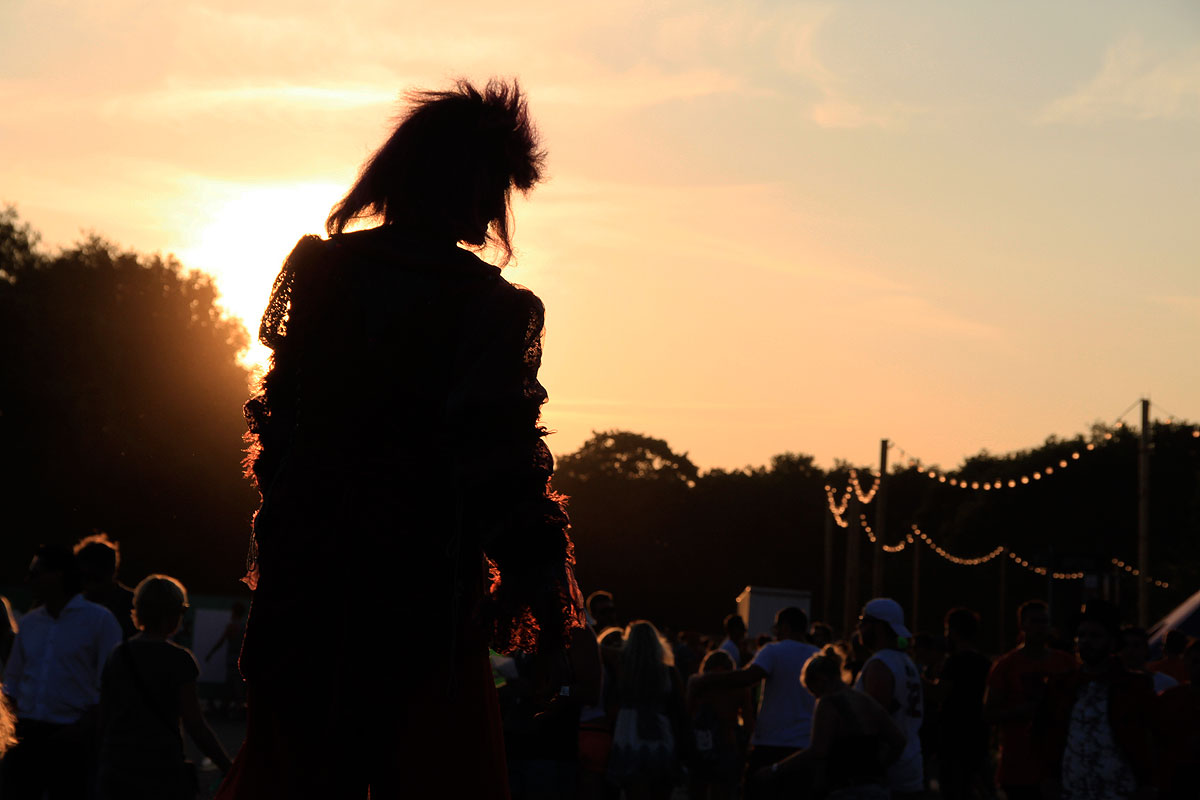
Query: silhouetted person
[(231, 638), (1015, 687), (891, 677), (717, 755), (1179, 726), (735, 638), (1095, 725), (784, 719), (853, 741), (602, 610), (52, 679), (820, 635), (541, 733), (148, 687), (397, 449), (652, 720), (962, 745), (1133, 649), (1171, 662), (99, 559)]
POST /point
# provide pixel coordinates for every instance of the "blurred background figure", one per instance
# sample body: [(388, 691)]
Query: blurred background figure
[(99, 558), (1134, 652), (820, 635), (601, 610), (962, 742), (892, 678), (52, 679), (651, 721), (853, 741), (1016, 686), (1171, 662), (716, 758), (1096, 723), (1179, 742), (783, 721), (233, 698), (148, 687), (734, 643)]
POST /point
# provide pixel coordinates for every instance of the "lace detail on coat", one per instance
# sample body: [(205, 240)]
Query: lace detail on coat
[(488, 448)]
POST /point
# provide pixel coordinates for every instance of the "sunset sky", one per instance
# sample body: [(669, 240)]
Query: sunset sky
[(769, 226)]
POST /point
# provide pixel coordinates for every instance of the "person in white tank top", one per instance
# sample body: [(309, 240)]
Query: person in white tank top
[(892, 678)]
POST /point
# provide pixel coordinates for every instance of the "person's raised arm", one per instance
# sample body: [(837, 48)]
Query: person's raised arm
[(715, 681), (197, 727)]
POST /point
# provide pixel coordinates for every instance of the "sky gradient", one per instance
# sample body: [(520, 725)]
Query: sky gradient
[(768, 226)]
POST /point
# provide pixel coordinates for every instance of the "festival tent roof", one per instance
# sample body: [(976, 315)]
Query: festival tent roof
[(1185, 617)]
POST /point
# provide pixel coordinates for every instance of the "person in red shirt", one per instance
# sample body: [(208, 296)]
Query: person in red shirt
[(1015, 686), (1179, 715)]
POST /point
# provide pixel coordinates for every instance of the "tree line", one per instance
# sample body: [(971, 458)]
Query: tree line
[(120, 410)]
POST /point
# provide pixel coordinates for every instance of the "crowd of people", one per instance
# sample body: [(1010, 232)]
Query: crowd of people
[(95, 690), (879, 713), (97, 694)]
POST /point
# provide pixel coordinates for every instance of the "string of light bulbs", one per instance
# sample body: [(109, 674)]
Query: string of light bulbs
[(887, 548), (953, 559), (1004, 483), (838, 509), (1135, 572)]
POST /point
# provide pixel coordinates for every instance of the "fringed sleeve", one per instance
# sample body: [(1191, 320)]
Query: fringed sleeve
[(271, 414), (504, 471)]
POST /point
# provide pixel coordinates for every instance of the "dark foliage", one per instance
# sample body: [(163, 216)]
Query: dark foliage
[(120, 410), (677, 546)]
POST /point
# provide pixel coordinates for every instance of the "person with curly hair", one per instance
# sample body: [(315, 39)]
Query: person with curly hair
[(403, 473)]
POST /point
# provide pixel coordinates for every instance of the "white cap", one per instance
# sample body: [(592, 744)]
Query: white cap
[(885, 609)]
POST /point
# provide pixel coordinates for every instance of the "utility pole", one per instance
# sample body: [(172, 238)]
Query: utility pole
[(1144, 445), (880, 523), (852, 600), (827, 589), (916, 581), (1003, 558)]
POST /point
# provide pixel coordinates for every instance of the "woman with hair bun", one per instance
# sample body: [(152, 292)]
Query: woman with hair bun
[(405, 484), (853, 737)]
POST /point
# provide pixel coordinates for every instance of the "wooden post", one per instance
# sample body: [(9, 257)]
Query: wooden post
[(916, 582), (827, 589), (852, 600), (880, 523), (1143, 550), (1003, 618)]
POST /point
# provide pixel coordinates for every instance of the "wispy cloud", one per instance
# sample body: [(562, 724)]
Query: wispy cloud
[(1135, 82), (1188, 303), (183, 100)]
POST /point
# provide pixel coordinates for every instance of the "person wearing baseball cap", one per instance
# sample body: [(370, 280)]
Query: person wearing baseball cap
[(892, 678)]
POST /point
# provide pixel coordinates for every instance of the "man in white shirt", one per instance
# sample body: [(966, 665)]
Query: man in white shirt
[(784, 719), (52, 680)]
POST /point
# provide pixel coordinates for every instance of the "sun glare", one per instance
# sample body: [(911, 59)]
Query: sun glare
[(244, 238)]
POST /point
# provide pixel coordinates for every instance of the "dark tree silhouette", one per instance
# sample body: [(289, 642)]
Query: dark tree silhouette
[(622, 455), (120, 409), (679, 550)]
